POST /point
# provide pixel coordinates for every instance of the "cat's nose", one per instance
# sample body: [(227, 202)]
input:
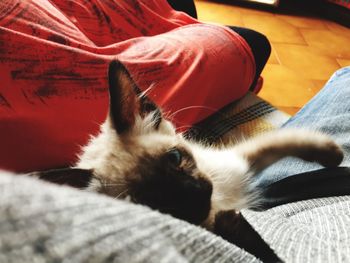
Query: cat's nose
[(197, 205), (183, 196), (200, 188)]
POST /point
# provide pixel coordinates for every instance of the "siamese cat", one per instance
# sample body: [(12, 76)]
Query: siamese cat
[(139, 156)]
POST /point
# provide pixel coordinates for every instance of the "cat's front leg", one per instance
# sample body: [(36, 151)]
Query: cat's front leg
[(311, 146), (231, 170)]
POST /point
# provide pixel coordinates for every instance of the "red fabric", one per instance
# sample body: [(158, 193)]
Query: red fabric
[(53, 62)]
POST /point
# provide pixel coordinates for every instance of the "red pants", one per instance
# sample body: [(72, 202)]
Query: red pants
[(54, 57)]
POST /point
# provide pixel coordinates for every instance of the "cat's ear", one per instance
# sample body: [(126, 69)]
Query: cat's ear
[(75, 177), (125, 99)]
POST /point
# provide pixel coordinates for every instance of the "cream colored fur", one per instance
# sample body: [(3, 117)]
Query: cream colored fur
[(114, 158)]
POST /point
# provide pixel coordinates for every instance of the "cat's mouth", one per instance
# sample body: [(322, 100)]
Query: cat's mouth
[(189, 200)]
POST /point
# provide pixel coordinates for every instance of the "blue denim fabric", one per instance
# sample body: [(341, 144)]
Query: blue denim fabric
[(329, 112)]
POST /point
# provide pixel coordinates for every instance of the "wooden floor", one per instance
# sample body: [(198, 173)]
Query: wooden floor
[(305, 50)]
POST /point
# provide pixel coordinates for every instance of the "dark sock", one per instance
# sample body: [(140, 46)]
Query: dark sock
[(186, 6), (260, 47)]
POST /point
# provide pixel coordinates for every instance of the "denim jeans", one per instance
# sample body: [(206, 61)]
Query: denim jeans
[(329, 112)]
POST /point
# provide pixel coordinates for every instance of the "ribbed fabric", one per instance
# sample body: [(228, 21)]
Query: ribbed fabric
[(46, 223), (315, 230), (247, 117)]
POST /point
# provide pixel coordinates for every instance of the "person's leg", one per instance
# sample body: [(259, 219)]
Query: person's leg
[(260, 47), (258, 43), (329, 112), (186, 6)]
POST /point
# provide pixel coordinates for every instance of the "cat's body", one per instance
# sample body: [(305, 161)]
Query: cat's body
[(138, 155), (227, 171)]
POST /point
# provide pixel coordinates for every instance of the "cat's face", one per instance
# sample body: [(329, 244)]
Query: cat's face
[(138, 155)]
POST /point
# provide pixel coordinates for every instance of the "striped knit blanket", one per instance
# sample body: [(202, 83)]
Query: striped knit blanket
[(242, 119)]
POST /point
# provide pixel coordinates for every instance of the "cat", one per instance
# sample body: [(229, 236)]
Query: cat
[(139, 156)]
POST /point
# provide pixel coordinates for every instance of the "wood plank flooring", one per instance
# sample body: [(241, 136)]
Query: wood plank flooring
[(306, 50)]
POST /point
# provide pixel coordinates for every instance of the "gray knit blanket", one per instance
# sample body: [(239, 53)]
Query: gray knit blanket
[(316, 230), (41, 222)]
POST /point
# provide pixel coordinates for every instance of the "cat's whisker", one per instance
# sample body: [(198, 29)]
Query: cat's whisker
[(193, 107), (150, 123), (116, 183), (166, 114), (113, 184), (144, 93), (122, 193)]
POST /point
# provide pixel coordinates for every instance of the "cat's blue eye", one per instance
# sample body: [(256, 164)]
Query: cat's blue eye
[(174, 156)]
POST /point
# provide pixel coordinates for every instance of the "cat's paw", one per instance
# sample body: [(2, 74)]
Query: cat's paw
[(324, 151)]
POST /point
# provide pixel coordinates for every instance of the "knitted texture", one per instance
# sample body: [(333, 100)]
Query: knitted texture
[(315, 230), (48, 223)]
